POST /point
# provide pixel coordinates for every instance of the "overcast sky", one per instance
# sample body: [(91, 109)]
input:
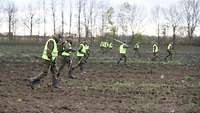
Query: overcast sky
[(146, 4)]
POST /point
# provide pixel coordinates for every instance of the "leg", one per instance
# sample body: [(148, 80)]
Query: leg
[(170, 53), (167, 55), (44, 73), (124, 57), (63, 63), (120, 59), (154, 57), (81, 63), (54, 71), (138, 53)]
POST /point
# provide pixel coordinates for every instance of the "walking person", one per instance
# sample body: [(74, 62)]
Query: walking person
[(155, 52), (81, 58), (66, 55), (136, 49), (49, 55), (123, 51), (169, 51)]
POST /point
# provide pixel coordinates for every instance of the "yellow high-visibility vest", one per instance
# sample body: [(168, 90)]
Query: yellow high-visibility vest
[(110, 45), (122, 49), (87, 47), (101, 44), (54, 52), (137, 46), (64, 53), (169, 47), (155, 48), (83, 51)]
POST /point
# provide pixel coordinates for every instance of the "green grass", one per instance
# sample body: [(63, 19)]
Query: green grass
[(137, 61)]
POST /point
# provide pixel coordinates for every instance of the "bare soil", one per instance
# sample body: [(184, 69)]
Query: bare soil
[(105, 88)]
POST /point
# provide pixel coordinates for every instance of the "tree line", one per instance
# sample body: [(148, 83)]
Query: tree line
[(91, 18)]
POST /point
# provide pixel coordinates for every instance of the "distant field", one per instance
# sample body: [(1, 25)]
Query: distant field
[(187, 54)]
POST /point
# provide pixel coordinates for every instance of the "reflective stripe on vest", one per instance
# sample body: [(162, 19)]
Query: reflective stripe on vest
[(64, 53), (169, 47), (54, 52), (101, 44), (137, 46), (83, 51), (110, 45), (122, 50), (155, 48), (87, 47)]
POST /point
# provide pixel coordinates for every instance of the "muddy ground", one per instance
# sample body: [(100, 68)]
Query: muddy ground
[(105, 88)]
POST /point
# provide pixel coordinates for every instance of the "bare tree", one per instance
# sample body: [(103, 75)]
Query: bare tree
[(38, 19), (123, 15), (30, 20), (11, 10), (70, 17), (44, 17), (62, 15), (86, 18), (79, 19), (191, 15), (111, 25), (173, 17), (1, 10), (94, 18), (53, 10), (156, 16), (91, 17), (136, 18), (103, 9)]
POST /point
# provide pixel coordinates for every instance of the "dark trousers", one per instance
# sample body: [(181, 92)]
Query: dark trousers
[(46, 65), (122, 56), (86, 56), (169, 55), (155, 56), (66, 60), (80, 63), (137, 52)]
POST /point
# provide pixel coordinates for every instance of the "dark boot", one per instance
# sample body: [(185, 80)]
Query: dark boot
[(55, 83), (33, 82)]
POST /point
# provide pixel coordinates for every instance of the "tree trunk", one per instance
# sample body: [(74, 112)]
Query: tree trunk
[(158, 35), (174, 37), (54, 24), (70, 18), (9, 25), (44, 18), (79, 22), (31, 28)]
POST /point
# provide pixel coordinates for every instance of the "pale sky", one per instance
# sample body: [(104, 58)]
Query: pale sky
[(148, 27)]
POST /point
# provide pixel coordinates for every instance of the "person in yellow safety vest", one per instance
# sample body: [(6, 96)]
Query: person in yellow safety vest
[(49, 55), (110, 45), (102, 46), (105, 44), (66, 57), (169, 51), (123, 50), (80, 56), (87, 54), (155, 52), (136, 49)]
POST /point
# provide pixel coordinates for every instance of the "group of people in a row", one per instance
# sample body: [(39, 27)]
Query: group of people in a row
[(123, 51), (58, 49)]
